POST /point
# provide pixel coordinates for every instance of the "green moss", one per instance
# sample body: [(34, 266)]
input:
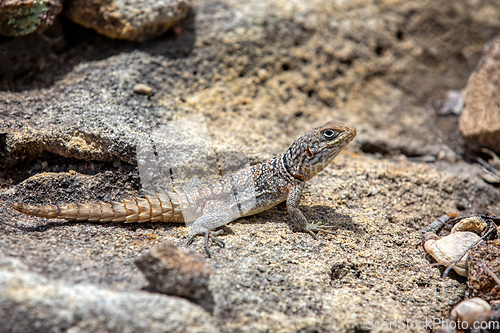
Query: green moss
[(26, 21)]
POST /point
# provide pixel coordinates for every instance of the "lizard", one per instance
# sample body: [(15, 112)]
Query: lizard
[(279, 179)]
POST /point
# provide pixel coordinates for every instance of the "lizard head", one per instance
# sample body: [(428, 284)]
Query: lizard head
[(315, 150)]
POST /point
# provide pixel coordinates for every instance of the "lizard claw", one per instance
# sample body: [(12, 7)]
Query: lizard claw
[(209, 234), (312, 228)]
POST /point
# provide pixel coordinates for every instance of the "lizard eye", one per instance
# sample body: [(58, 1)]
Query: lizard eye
[(330, 134)]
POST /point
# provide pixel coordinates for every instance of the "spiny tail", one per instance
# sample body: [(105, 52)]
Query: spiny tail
[(158, 208)]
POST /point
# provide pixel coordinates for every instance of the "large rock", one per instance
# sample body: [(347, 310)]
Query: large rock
[(131, 20), (23, 17), (29, 303), (480, 120)]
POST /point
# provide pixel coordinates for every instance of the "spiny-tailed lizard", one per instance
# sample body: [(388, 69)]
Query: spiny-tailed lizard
[(279, 179)]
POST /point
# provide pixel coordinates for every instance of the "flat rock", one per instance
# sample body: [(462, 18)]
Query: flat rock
[(23, 17), (29, 302), (480, 120), (131, 20)]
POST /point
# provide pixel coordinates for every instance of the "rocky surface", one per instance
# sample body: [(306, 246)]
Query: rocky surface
[(480, 120), (131, 20), (23, 17), (262, 73)]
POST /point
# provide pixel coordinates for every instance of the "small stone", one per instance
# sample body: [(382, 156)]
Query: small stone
[(484, 268), (448, 249), (372, 191), (453, 104), (262, 74), (469, 309), (175, 271), (473, 224), (495, 305), (143, 89)]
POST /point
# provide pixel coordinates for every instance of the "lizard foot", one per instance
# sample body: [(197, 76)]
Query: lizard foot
[(209, 234), (312, 228)]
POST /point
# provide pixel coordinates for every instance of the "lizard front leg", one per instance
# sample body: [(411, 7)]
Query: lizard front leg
[(298, 217)]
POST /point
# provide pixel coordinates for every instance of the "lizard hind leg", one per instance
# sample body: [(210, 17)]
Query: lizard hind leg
[(211, 224)]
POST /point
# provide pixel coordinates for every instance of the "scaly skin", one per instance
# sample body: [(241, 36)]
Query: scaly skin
[(216, 204)]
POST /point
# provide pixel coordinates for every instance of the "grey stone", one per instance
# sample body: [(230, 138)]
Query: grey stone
[(29, 302)]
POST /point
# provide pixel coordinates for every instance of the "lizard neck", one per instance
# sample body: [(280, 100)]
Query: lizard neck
[(293, 160)]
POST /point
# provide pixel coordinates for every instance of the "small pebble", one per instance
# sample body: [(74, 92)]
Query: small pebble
[(469, 309), (262, 74), (143, 89), (453, 103), (473, 224)]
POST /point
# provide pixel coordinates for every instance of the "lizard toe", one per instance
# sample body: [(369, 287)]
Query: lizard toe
[(319, 228)]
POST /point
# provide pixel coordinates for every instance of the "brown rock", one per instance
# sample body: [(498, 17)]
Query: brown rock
[(484, 264), (175, 271), (23, 17), (134, 20), (480, 120)]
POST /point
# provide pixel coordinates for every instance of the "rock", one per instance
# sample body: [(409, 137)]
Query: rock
[(473, 224), (484, 270), (132, 20), (143, 89), (29, 303), (23, 17), (453, 103), (480, 120), (495, 305), (469, 310), (448, 249), (175, 271)]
